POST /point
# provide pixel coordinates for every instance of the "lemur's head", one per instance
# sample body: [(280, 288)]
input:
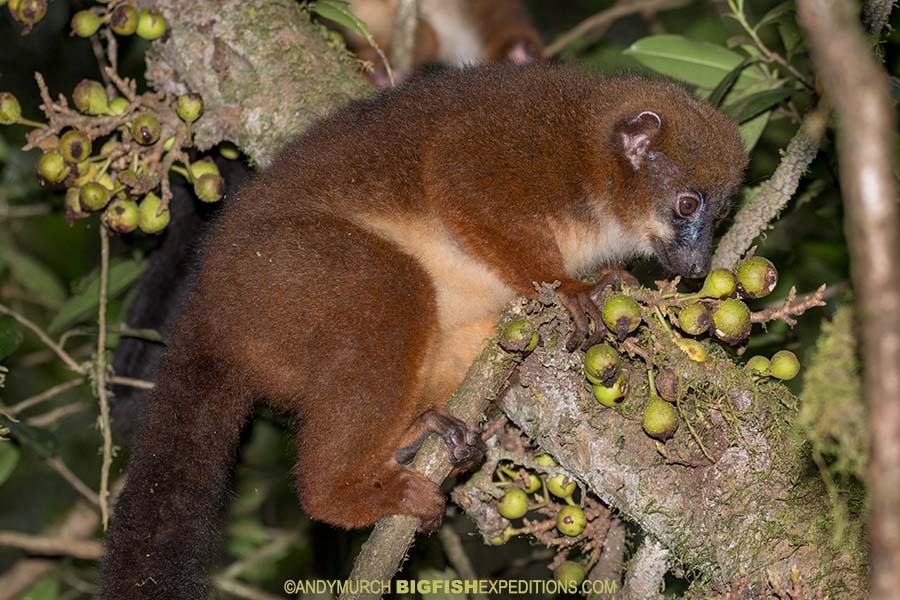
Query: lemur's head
[(680, 162)]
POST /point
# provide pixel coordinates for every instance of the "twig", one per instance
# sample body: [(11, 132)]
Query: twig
[(611, 563), (101, 377), (62, 354), (773, 194), (646, 571), (21, 212), (859, 89), (82, 488), (403, 38), (79, 523), (45, 545), (132, 382), (279, 543), (45, 395), (791, 307), (605, 18), (457, 557), (52, 416), (242, 590)]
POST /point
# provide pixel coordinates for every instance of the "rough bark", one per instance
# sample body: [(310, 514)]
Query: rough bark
[(739, 522), (265, 71), (859, 90)]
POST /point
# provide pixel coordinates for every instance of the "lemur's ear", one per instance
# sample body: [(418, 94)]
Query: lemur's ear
[(635, 135)]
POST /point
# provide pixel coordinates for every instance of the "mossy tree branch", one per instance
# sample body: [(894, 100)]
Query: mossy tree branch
[(265, 71), (859, 89), (734, 524)]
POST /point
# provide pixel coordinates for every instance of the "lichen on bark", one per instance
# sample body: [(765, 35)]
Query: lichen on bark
[(264, 69), (749, 517)]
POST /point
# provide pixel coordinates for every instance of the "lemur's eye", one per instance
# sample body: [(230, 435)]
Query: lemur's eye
[(688, 203)]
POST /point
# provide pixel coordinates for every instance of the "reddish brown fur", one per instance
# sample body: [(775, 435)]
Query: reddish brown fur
[(351, 284)]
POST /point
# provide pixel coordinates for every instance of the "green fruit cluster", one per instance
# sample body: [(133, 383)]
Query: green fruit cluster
[(124, 19), (121, 177), (783, 365)]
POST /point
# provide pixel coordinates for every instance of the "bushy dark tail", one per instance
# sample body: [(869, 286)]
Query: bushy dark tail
[(165, 526), (161, 291)]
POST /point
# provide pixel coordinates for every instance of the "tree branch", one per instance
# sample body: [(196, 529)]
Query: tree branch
[(264, 70), (599, 22), (859, 90), (384, 551), (774, 194)]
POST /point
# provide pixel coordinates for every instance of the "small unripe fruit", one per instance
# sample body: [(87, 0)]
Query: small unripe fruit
[(90, 97), (613, 395), (732, 321), (121, 215), (757, 364), (532, 483), (545, 460), (570, 574), (571, 520), (693, 349), (52, 168), (202, 167), (117, 106), (601, 364), (167, 145), (561, 486), (73, 205), (694, 319), (189, 107), (621, 314), (75, 146), (517, 336), (93, 196), (660, 419), (10, 110), (85, 23), (229, 151), (151, 25), (108, 147), (784, 365), (149, 221), (667, 385), (210, 188), (145, 129), (31, 11), (513, 504), (718, 284), (124, 19), (757, 277)]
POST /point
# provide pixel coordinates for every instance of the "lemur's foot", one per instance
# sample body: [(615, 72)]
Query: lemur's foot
[(421, 497), (464, 444)]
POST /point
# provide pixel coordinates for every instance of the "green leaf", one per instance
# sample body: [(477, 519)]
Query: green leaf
[(697, 63), (727, 83), (744, 109), (752, 130), (339, 12), (122, 273), (775, 15), (10, 335), (41, 441), (35, 277), (790, 35), (9, 457)]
